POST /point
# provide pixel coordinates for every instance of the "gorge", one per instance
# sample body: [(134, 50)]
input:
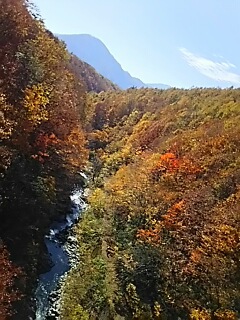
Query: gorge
[(62, 256), (159, 238)]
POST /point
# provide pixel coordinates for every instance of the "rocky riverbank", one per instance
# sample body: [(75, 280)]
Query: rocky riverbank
[(62, 248), (71, 249)]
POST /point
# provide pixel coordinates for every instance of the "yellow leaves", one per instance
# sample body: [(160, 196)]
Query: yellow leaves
[(36, 100), (133, 299), (203, 314), (225, 315), (6, 123), (97, 198), (223, 238), (114, 161), (139, 128), (46, 53), (98, 135), (157, 310), (73, 148), (198, 314), (227, 238)]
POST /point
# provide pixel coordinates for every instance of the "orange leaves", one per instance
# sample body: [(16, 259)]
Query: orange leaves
[(151, 236), (171, 220), (169, 162), (181, 165), (195, 256), (174, 166), (178, 207), (169, 159), (73, 148)]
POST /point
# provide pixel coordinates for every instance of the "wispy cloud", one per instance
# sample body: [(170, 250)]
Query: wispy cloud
[(219, 71)]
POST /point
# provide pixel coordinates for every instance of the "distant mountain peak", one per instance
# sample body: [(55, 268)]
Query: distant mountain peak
[(93, 51)]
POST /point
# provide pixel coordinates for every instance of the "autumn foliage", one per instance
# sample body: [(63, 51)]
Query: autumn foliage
[(160, 238), (8, 273), (166, 172), (42, 142)]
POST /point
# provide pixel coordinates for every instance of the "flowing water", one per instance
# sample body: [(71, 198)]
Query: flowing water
[(60, 263)]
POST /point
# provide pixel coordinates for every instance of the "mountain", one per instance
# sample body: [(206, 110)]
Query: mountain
[(95, 53), (90, 77), (158, 85)]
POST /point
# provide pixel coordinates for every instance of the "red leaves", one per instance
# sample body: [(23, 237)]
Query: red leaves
[(41, 144), (44, 140), (8, 273)]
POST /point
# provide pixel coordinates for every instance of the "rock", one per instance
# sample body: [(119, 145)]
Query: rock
[(67, 241)]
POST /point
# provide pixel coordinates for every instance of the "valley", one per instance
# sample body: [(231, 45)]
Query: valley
[(117, 200)]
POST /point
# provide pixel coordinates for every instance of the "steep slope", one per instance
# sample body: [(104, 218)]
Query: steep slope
[(94, 52), (90, 77), (42, 149), (161, 236)]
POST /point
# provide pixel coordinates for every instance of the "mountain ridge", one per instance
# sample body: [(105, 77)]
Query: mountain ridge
[(93, 51), (92, 80)]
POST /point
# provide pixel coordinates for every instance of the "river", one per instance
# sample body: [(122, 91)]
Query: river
[(48, 282)]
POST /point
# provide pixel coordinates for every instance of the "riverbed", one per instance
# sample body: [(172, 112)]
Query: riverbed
[(59, 254)]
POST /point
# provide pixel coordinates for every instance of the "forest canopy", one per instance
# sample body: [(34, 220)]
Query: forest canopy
[(160, 236)]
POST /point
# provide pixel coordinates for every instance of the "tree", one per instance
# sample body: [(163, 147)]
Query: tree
[(8, 275)]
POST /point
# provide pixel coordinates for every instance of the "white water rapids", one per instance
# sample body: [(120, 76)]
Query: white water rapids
[(60, 263)]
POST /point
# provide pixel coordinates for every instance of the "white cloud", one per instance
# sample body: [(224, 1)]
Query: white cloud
[(219, 71)]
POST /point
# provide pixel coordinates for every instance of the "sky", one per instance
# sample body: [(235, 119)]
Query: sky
[(182, 43)]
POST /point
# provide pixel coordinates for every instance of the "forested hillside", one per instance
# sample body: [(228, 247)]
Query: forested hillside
[(160, 236), (93, 81), (160, 239), (42, 147)]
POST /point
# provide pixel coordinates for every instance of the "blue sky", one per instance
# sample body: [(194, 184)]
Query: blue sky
[(182, 43)]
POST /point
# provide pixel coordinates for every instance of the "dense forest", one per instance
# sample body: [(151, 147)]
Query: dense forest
[(160, 236), (42, 109)]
